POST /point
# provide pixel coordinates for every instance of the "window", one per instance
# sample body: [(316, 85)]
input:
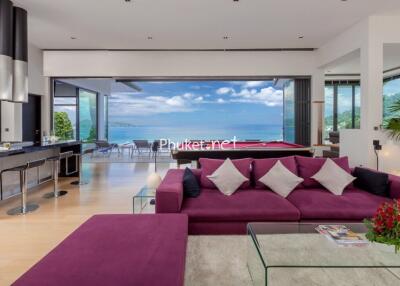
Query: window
[(357, 106), (342, 106), (391, 94), (328, 110), (74, 112), (288, 112), (87, 115), (65, 112), (198, 109), (345, 107)]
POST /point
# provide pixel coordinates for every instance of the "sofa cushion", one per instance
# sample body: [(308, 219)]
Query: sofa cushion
[(333, 178), (320, 204), (191, 187), (243, 205), (208, 167), (262, 166), (308, 167), (371, 181), (280, 180), (227, 178)]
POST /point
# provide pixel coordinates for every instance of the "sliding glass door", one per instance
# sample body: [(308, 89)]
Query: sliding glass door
[(87, 115)]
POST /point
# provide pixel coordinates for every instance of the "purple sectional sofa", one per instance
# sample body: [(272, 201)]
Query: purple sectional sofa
[(214, 213), (143, 250)]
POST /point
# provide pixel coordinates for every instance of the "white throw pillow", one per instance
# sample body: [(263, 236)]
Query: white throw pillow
[(280, 180), (333, 178), (227, 178)]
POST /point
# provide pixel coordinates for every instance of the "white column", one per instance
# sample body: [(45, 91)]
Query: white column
[(371, 96), (317, 94)]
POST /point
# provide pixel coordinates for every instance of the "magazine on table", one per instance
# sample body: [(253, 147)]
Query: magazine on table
[(341, 235)]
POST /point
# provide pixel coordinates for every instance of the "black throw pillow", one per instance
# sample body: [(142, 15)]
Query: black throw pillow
[(372, 182), (191, 187)]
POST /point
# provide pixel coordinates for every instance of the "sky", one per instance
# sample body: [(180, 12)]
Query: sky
[(198, 103), (391, 88)]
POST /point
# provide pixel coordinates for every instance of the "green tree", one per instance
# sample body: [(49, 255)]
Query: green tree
[(63, 126), (92, 135)]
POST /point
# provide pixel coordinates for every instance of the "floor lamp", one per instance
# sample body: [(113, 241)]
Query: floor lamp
[(377, 147)]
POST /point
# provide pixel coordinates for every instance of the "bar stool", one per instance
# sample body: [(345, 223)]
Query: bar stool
[(56, 169), (79, 157), (25, 207)]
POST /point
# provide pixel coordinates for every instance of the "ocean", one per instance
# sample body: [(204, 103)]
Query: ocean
[(180, 133)]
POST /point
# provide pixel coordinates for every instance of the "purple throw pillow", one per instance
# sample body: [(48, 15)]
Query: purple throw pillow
[(262, 166), (308, 167), (208, 166)]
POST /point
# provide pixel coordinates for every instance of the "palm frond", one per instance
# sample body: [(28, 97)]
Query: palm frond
[(393, 128)]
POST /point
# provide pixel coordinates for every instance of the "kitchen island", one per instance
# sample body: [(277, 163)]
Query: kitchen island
[(22, 153)]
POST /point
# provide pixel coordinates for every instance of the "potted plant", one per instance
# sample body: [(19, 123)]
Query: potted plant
[(384, 227)]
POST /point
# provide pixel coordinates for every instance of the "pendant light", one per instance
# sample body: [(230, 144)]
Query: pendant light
[(20, 56), (6, 49)]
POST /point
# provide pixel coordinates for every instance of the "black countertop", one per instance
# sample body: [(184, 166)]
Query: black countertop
[(37, 147)]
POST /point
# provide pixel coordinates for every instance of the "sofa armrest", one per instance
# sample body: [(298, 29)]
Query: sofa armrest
[(394, 186), (169, 195)]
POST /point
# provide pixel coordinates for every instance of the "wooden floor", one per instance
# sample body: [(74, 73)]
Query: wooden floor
[(26, 239)]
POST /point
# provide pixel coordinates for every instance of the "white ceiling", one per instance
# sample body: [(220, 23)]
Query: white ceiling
[(193, 24)]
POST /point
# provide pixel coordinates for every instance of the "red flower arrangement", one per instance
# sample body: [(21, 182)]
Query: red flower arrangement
[(385, 225)]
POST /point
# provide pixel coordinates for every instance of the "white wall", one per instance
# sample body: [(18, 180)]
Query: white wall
[(11, 113), (344, 44), (173, 63)]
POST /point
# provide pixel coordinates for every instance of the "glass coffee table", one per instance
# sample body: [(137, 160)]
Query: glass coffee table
[(295, 254), (143, 198)]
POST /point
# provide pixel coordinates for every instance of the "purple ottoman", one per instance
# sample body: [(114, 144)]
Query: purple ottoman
[(117, 250)]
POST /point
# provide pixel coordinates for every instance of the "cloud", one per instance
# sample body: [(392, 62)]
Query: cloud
[(199, 99), (125, 103), (224, 90), (188, 95), (175, 101), (254, 83), (268, 96), (122, 104)]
